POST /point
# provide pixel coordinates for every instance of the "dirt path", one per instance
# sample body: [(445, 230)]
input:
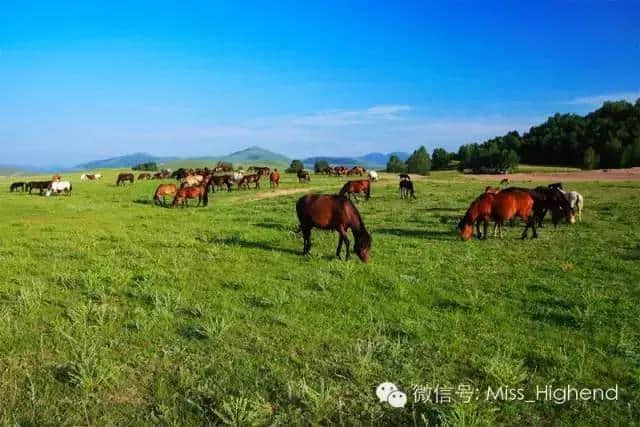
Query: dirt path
[(631, 174)]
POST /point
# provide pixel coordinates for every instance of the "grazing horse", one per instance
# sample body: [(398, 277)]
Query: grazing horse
[(326, 170), (55, 178), (499, 207), (356, 170), (352, 188), (404, 176), (163, 191), (42, 186), (274, 179), (373, 175), (144, 176), (248, 179), (303, 175), (406, 189), (339, 170), (124, 177), (184, 194), (17, 186), (87, 177), (327, 212), (544, 199), (57, 187), (217, 182), (505, 181), (576, 204)]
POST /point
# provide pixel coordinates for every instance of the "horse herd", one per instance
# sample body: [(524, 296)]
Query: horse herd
[(338, 213)]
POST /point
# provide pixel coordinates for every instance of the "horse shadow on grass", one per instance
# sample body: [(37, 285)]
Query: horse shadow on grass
[(422, 234), (243, 243), (151, 203)]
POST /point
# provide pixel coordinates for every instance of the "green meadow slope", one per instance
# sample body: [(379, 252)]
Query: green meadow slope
[(116, 311)]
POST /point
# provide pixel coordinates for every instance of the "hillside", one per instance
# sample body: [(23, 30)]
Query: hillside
[(369, 160), (123, 161), (246, 157)]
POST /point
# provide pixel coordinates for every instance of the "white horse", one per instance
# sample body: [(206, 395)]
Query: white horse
[(373, 175), (237, 176), (83, 177), (576, 202), (98, 176), (58, 187)]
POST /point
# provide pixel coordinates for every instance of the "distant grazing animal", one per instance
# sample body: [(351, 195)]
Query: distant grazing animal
[(58, 187), (576, 203), (237, 176), (303, 176), (162, 175), (404, 176), (248, 179), (499, 207), (218, 181), (98, 176), (144, 176), (373, 175), (557, 185), (505, 181), (327, 170), (406, 189), (163, 191), (327, 212), (356, 170), (183, 196), (17, 186), (274, 179), (339, 170), (56, 178), (86, 176), (352, 188), (123, 178), (42, 186)]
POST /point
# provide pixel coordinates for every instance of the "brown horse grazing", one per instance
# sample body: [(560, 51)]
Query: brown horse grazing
[(38, 185), (356, 170), (144, 176), (406, 189), (351, 188), (163, 191), (274, 179), (550, 198), (17, 186), (339, 170), (303, 175), (248, 179), (499, 207), (218, 181), (333, 213), (184, 194), (124, 177)]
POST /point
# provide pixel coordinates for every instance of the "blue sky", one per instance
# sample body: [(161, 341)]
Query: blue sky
[(86, 80)]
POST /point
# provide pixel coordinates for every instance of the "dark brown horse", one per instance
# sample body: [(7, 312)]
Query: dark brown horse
[(183, 196), (352, 188), (144, 176), (303, 175), (406, 189), (217, 182), (17, 186), (339, 170), (248, 179), (327, 212), (124, 177), (42, 186), (163, 191), (274, 179)]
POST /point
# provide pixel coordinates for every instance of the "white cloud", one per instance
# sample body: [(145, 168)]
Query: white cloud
[(352, 117), (599, 99)]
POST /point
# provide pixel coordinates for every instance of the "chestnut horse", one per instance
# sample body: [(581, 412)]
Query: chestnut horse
[(163, 191), (274, 179), (328, 212), (184, 194), (351, 188), (124, 177), (499, 207)]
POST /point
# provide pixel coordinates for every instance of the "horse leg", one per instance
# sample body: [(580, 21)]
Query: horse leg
[(306, 235), (526, 230), (478, 233), (486, 225), (533, 226)]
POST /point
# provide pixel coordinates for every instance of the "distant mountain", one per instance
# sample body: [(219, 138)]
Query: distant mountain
[(255, 155), (370, 160), (123, 161)]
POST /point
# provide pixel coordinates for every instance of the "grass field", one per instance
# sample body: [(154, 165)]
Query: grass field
[(115, 311)]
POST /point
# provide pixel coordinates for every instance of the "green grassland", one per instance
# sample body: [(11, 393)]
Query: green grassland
[(116, 311)]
